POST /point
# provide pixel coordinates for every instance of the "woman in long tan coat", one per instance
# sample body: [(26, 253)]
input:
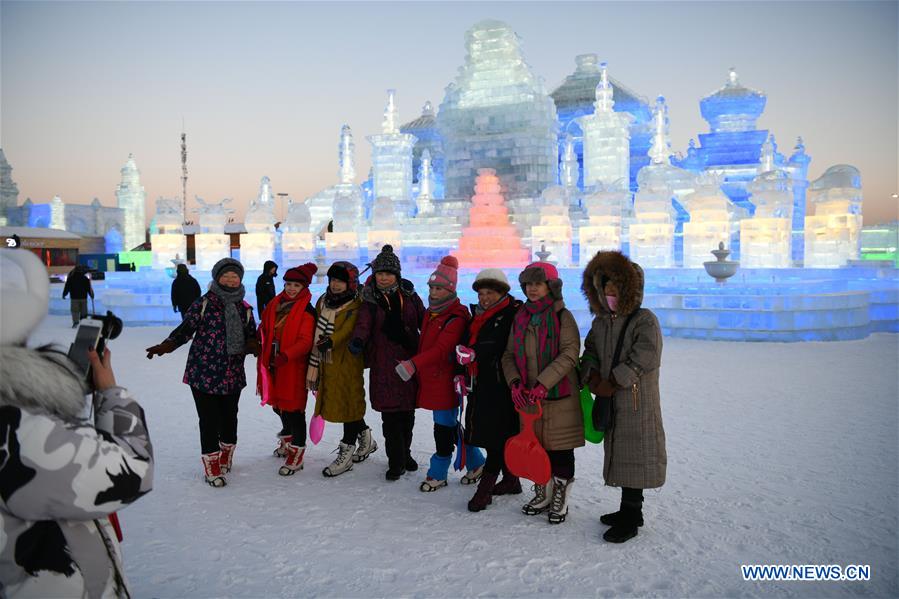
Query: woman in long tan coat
[(335, 373), (540, 365), (635, 456)]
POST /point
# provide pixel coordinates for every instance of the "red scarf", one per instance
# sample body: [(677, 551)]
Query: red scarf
[(264, 381), (475, 326)]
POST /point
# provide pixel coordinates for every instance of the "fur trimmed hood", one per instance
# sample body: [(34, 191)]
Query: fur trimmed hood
[(41, 380), (627, 276)]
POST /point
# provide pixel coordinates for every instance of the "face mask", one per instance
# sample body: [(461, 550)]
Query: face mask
[(612, 301)]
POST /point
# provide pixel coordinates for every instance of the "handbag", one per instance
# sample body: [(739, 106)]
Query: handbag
[(602, 414)]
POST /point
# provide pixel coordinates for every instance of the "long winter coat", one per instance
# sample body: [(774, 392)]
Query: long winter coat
[(284, 387), (635, 454), (490, 417), (562, 423), (209, 367), (185, 291), (61, 476), (341, 389), (387, 391), (436, 358)]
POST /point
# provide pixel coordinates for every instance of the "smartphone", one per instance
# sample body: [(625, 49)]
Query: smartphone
[(86, 338)]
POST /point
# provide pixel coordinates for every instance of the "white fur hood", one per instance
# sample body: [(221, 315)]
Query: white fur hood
[(40, 380)]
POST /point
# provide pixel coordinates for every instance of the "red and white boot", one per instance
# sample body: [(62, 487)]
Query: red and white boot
[(294, 460), (281, 449), (227, 456), (212, 469)]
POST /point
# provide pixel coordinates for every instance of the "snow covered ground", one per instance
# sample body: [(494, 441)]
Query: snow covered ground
[(778, 454)]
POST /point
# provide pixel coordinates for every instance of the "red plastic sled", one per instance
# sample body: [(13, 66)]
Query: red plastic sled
[(525, 457)]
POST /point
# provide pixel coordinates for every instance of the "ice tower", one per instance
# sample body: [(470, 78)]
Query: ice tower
[(606, 138), (9, 191), (391, 158), (605, 207), (297, 242), (496, 114), (575, 98), (324, 206), (168, 242), (424, 128), (832, 234), (131, 197), (711, 220), (258, 244)]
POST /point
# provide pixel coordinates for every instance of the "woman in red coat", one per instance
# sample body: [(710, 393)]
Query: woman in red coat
[(434, 364), (286, 333)]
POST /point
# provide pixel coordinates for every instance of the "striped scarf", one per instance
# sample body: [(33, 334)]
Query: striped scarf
[(324, 327), (548, 329)]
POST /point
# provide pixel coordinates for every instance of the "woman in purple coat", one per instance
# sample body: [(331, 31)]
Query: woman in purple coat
[(387, 330), (223, 329)]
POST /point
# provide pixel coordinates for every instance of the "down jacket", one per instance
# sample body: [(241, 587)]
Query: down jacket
[(436, 357), (284, 387), (635, 454), (62, 475), (341, 389)]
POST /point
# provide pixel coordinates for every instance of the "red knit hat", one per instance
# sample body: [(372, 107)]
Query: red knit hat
[(301, 274), (446, 275)]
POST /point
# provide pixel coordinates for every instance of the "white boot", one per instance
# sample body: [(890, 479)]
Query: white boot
[(558, 508), (365, 446), (541, 501), (343, 461), (281, 450)]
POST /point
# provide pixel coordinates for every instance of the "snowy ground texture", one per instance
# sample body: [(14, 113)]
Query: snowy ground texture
[(778, 454)]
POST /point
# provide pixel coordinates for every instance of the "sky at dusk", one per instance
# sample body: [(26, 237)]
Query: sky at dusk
[(263, 88)]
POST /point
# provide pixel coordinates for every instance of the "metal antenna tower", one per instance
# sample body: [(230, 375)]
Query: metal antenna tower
[(183, 172)]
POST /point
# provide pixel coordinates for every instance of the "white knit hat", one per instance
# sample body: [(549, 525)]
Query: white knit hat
[(493, 278), (24, 295)]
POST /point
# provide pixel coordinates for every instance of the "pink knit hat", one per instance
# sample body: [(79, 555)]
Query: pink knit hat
[(446, 275), (542, 272)]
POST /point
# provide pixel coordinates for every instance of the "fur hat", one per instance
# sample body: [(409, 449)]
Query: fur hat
[(386, 261), (227, 265), (542, 272), (446, 275), (491, 278), (24, 295), (301, 274), (627, 276), (346, 272)]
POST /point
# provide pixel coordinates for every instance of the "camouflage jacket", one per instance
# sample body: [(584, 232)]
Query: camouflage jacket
[(61, 475)]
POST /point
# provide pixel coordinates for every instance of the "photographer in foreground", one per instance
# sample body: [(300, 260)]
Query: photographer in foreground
[(62, 474)]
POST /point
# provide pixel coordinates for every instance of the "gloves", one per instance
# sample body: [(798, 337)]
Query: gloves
[(356, 346), (519, 395), (464, 355), (405, 369), (459, 385), (251, 347), (538, 393), (588, 369), (593, 382), (166, 347), (605, 388), (280, 360), (324, 344)]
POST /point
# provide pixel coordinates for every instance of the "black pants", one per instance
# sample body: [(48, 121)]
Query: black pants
[(632, 498), (562, 463), (293, 424), (351, 431), (397, 428), (496, 459), (218, 419)]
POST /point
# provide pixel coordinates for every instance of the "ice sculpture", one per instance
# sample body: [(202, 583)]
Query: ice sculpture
[(57, 213), (605, 208), (257, 245), (606, 138), (553, 234), (211, 244), (711, 213), (490, 240), (391, 157), (9, 191), (424, 128), (168, 241), (765, 238), (497, 114), (575, 100), (832, 234), (131, 197), (297, 242), (424, 201), (385, 227), (323, 206)]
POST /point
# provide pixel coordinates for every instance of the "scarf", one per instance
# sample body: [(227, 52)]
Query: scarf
[(335, 300), (438, 306), (544, 317), (234, 326), (265, 382), (324, 327), (480, 319)]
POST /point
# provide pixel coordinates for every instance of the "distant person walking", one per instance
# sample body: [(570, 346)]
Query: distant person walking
[(185, 290), (78, 285), (265, 286)]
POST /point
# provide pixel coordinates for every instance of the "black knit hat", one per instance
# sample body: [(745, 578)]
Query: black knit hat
[(346, 272), (386, 261)]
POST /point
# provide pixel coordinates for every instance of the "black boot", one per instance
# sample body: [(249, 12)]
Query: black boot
[(629, 520), (630, 496), (615, 517)]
